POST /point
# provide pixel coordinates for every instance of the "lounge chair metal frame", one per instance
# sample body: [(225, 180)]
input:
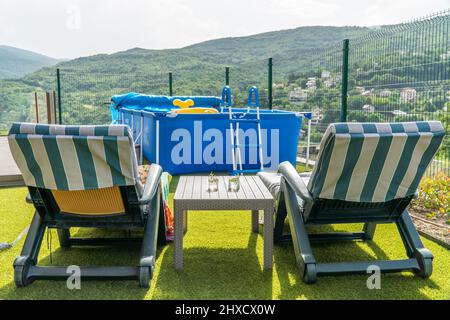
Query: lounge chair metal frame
[(48, 215), (325, 211), (86, 177)]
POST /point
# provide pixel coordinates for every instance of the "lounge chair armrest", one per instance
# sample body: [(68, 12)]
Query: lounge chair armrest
[(295, 182), (152, 184)]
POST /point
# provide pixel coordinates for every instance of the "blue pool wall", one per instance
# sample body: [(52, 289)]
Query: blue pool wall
[(282, 127)]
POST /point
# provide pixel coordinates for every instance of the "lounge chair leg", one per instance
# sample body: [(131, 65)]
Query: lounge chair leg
[(369, 230), (145, 272), (162, 240), (310, 274), (302, 247), (149, 243), (280, 218), (414, 246), (30, 251), (64, 237)]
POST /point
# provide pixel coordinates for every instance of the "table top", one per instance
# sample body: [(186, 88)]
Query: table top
[(252, 194), (9, 173)]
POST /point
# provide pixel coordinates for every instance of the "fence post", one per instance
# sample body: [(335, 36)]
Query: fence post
[(227, 76), (58, 84), (270, 84), (170, 84), (36, 107), (345, 49)]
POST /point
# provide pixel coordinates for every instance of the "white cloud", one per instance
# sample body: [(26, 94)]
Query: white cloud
[(113, 25)]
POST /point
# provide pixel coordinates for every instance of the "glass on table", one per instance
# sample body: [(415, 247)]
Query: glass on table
[(233, 184), (213, 183)]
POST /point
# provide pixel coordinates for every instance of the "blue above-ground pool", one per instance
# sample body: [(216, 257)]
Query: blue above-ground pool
[(190, 143)]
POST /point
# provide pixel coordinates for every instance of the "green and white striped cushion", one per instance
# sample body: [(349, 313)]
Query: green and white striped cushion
[(74, 157), (374, 162)]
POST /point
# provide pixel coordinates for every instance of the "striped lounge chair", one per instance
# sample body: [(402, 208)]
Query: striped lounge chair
[(366, 173), (85, 176)]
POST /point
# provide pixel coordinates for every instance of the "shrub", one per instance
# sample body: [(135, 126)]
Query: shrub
[(434, 196)]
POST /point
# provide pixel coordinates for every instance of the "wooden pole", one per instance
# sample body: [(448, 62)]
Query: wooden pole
[(54, 108), (36, 108)]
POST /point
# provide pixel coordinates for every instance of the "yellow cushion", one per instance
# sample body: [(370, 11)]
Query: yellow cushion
[(98, 202)]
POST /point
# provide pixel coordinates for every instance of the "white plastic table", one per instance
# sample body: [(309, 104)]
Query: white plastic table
[(192, 194)]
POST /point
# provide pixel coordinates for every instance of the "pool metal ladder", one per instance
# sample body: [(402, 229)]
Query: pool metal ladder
[(236, 156)]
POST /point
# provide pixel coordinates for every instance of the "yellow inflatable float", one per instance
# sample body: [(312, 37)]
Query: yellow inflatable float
[(186, 108), (183, 104), (195, 111)]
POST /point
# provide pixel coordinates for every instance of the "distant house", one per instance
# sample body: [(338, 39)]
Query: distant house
[(368, 108), (329, 83), (385, 109), (298, 95), (385, 93), (408, 94), (317, 114), (325, 74), (446, 55), (399, 113), (278, 85), (311, 84), (360, 89), (367, 93)]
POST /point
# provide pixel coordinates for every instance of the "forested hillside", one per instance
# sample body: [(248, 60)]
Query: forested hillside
[(198, 69), (15, 62)]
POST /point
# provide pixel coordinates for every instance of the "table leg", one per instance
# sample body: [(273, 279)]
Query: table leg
[(255, 221), (178, 237), (268, 238), (185, 221)]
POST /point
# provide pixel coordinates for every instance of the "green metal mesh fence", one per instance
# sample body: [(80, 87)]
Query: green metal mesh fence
[(402, 73), (85, 98), (395, 73), (317, 88)]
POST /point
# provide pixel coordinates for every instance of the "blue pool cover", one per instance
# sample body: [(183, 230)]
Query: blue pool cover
[(139, 101)]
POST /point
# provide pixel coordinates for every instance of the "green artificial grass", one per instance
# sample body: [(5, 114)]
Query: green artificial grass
[(222, 260)]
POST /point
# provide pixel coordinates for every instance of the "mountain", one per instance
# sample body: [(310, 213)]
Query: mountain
[(289, 48), (88, 82), (15, 62), (199, 69)]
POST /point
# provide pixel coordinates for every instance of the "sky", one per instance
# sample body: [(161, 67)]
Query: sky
[(74, 28)]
